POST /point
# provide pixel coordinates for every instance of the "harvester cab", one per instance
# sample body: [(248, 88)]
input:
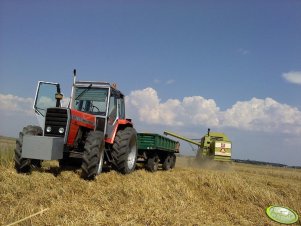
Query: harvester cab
[(93, 128)]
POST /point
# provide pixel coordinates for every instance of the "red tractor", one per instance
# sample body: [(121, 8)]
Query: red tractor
[(93, 129)]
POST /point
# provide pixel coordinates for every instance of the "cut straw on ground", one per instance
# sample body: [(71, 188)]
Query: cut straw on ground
[(26, 218), (190, 194)]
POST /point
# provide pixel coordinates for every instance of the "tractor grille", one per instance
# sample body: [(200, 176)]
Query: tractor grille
[(56, 119)]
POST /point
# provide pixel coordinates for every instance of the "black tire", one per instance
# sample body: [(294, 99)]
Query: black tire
[(23, 165), (93, 155), (124, 152), (167, 162), (152, 163), (173, 161)]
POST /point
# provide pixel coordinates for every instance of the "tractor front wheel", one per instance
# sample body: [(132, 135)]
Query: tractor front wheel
[(93, 155), (124, 150), (23, 165)]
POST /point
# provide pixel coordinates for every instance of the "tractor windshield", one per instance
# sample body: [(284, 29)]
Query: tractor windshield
[(92, 100)]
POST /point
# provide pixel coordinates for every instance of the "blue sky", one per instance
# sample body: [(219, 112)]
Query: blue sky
[(242, 55)]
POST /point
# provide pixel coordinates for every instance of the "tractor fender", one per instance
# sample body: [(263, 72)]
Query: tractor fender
[(120, 124)]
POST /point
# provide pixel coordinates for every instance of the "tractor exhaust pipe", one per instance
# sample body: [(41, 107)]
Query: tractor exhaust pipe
[(208, 132), (72, 88), (74, 76)]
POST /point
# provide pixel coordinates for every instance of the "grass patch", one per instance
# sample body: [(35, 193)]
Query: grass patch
[(7, 147)]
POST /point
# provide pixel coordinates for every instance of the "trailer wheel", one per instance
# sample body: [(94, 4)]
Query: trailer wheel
[(152, 163), (23, 165), (167, 162), (173, 161), (124, 150), (93, 155)]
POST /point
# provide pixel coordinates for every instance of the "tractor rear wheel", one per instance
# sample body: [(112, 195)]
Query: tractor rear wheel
[(93, 155), (167, 163), (152, 163), (124, 150), (23, 165)]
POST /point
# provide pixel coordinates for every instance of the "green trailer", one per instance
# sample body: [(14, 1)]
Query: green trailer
[(155, 150)]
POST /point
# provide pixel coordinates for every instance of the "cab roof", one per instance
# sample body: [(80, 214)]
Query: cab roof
[(97, 84)]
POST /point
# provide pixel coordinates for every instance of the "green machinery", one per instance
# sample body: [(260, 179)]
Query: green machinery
[(213, 145), (155, 149)]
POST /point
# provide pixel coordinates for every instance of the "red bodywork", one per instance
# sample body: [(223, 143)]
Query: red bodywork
[(119, 122), (82, 119)]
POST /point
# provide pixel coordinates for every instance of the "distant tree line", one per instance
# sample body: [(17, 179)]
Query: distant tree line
[(264, 163)]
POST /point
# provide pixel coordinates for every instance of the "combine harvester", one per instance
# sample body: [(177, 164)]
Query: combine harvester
[(213, 145)]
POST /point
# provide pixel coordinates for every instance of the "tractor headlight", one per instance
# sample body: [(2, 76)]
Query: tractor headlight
[(48, 129), (61, 130)]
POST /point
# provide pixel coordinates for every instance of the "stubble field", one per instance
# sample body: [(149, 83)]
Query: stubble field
[(190, 194)]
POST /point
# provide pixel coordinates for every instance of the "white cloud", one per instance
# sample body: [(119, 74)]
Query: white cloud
[(263, 115), (146, 105), (243, 51), (167, 82), (17, 112), (14, 104), (44, 102), (293, 77), (170, 81), (10, 103), (65, 101), (157, 81), (253, 115)]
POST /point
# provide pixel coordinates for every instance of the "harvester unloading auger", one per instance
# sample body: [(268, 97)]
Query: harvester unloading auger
[(213, 145)]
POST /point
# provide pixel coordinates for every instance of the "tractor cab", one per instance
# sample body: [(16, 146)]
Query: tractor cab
[(102, 100), (90, 101), (99, 99)]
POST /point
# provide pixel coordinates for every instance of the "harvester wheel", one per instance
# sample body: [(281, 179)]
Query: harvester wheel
[(93, 155), (152, 163), (173, 161), (167, 163), (23, 165), (124, 150)]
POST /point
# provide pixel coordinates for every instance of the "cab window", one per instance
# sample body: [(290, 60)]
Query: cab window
[(121, 111), (112, 109), (91, 100)]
